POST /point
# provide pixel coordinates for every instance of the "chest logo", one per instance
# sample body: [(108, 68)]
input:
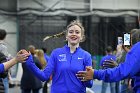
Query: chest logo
[(62, 57)]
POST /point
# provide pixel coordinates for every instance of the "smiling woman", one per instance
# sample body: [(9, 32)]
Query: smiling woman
[(65, 62), (79, 29)]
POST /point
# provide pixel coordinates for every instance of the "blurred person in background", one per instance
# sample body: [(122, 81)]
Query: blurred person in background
[(124, 86), (41, 58), (130, 68), (109, 56), (45, 87), (64, 63), (4, 50), (126, 83), (4, 74), (45, 54), (29, 83)]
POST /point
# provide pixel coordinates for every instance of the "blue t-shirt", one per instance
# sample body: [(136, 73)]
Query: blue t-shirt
[(63, 66), (46, 57), (107, 57)]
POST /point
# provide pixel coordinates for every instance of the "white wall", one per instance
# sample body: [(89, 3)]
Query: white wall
[(80, 4), (79, 7), (9, 24), (115, 4), (52, 4)]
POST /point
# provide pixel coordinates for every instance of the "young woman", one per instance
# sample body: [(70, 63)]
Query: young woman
[(65, 62)]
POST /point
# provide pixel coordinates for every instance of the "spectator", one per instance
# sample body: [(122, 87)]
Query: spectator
[(109, 56)]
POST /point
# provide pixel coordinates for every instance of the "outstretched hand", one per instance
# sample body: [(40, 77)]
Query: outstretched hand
[(22, 55), (86, 75), (110, 64)]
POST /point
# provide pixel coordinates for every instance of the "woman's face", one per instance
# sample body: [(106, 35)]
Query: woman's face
[(74, 35)]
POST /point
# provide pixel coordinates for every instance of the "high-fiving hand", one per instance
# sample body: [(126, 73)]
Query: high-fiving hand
[(86, 75), (110, 64), (22, 55)]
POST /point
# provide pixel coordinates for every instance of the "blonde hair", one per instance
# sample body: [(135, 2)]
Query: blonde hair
[(41, 58), (72, 23)]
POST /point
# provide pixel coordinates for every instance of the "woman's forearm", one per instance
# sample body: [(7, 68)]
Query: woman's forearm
[(9, 63)]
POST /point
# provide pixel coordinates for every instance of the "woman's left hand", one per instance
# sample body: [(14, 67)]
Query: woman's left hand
[(22, 55)]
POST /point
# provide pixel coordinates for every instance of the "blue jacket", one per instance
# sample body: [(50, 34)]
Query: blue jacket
[(63, 67), (130, 68)]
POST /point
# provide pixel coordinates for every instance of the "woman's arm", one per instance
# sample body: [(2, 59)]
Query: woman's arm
[(19, 58), (43, 75)]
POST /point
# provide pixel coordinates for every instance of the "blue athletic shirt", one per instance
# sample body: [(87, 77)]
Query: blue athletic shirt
[(63, 67), (130, 68), (107, 57)]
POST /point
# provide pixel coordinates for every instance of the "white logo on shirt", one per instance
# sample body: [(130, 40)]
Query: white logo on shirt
[(62, 57)]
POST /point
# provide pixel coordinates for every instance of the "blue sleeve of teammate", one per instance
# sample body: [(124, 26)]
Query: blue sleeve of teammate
[(1, 68), (127, 69)]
